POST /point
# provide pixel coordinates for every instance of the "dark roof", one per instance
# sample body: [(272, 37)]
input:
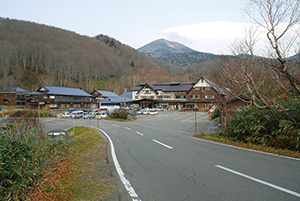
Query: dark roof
[(166, 87), (15, 89), (106, 93), (216, 87), (239, 97), (128, 94), (56, 90), (114, 99)]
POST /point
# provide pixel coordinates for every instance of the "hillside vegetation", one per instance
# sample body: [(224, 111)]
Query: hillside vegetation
[(33, 54)]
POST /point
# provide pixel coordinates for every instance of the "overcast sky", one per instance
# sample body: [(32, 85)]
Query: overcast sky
[(203, 25)]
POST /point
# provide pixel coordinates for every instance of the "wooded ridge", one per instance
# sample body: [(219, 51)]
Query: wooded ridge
[(32, 54)]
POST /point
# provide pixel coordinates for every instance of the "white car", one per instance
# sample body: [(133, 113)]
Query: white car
[(101, 115), (66, 115), (153, 112), (77, 114), (160, 109)]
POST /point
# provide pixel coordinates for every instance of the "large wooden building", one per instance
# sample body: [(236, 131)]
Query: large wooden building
[(55, 97), (176, 95), (13, 96)]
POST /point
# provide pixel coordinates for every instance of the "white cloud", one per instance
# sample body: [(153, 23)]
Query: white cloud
[(212, 37), (216, 37)]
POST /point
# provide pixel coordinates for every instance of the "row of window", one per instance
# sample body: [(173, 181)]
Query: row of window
[(205, 96), (178, 97), (203, 88), (7, 95)]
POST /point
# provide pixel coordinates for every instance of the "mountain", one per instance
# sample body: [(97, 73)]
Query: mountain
[(163, 47), (33, 54), (176, 53)]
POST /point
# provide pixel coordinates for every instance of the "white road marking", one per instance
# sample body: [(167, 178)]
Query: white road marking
[(141, 134), (245, 149), (260, 181), (158, 142), (128, 128), (116, 125), (126, 183)]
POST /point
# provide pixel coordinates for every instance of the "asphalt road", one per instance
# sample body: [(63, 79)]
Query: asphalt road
[(163, 161)]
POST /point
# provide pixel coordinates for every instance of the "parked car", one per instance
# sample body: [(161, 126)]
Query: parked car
[(88, 116), (153, 112), (146, 111), (57, 133), (140, 112), (160, 109), (77, 114), (101, 115), (66, 115)]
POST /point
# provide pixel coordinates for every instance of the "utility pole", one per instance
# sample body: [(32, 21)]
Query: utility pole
[(196, 119), (125, 99)]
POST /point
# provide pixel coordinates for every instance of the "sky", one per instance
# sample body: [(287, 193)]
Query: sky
[(205, 26)]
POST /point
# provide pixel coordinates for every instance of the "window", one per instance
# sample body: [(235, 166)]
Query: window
[(12, 95), (193, 96), (197, 96), (205, 88), (177, 97), (53, 105), (52, 97), (197, 88), (209, 96), (159, 97)]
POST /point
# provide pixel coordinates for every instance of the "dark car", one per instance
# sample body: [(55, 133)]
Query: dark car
[(57, 133)]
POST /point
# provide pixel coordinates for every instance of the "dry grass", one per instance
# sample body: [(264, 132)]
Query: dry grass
[(85, 176)]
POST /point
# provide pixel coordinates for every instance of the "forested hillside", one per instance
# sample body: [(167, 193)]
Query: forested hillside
[(33, 54)]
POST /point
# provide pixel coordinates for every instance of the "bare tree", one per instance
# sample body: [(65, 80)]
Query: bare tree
[(280, 19), (257, 75)]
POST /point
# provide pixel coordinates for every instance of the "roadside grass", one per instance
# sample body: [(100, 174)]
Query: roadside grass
[(84, 176), (217, 138)]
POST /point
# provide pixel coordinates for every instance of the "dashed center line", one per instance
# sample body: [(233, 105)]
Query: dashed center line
[(141, 134), (116, 125), (128, 128), (158, 142)]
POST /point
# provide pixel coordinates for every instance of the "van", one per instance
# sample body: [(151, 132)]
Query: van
[(77, 114), (101, 114)]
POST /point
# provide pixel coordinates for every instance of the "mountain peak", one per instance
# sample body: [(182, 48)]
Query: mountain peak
[(163, 47)]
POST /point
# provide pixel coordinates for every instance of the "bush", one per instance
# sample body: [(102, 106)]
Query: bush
[(25, 155), (216, 113), (267, 127), (119, 114)]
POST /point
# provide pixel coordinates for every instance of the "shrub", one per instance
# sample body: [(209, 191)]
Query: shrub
[(267, 127), (25, 155), (216, 113), (119, 114)]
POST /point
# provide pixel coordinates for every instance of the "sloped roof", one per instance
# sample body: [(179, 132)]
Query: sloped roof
[(216, 87), (128, 94), (166, 87), (178, 87), (107, 93), (114, 99), (56, 90), (15, 89)]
